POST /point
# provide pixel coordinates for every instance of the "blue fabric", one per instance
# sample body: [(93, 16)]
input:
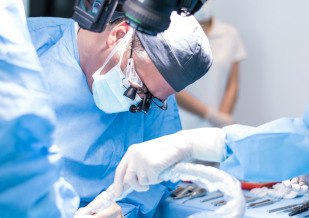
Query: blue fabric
[(92, 142), (29, 169), (274, 151)]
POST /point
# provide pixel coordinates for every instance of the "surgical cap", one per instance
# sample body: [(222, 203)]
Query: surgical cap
[(181, 53)]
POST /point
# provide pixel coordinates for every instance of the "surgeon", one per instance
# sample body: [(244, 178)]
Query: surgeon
[(275, 151), (29, 165), (94, 79)]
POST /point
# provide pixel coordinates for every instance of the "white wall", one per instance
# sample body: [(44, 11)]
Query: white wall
[(275, 77)]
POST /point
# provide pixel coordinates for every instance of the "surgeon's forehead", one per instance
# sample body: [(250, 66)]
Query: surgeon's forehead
[(152, 78)]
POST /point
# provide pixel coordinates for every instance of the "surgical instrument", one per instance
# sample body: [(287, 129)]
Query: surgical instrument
[(287, 208), (196, 193), (282, 208), (261, 203), (218, 203), (186, 192), (177, 191), (212, 198), (251, 199), (300, 209)]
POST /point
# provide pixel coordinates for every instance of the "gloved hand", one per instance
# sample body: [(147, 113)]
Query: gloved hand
[(298, 184), (218, 118), (113, 211), (144, 162)]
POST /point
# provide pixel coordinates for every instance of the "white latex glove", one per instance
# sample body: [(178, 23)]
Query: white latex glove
[(113, 211), (298, 184), (144, 162), (218, 118)]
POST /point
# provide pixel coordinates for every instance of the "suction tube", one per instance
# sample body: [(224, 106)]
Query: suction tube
[(207, 177)]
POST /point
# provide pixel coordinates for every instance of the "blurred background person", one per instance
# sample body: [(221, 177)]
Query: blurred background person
[(211, 100)]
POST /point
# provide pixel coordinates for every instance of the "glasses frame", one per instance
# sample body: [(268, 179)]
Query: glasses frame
[(145, 104), (131, 92)]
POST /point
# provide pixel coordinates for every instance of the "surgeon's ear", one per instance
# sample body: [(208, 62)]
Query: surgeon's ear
[(117, 33)]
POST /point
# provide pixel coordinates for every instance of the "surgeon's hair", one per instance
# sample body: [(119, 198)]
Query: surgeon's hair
[(138, 47)]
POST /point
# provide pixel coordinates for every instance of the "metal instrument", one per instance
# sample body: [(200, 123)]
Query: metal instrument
[(261, 203), (212, 198), (196, 193), (177, 191), (185, 192), (282, 208), (300, 209), (218, 203), (251, 199)]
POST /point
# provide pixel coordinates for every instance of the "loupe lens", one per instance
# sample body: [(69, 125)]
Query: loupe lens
[(130, 92)]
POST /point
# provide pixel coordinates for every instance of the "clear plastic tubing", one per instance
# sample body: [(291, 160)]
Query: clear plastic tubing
[(207, 177)]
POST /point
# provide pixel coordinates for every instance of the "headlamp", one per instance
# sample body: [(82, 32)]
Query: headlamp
[(148, 16)]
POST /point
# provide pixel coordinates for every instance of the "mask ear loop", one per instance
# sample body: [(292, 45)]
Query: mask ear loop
[(131, 91), (130, 73), (123, 42), (129, 66), (132, 44)]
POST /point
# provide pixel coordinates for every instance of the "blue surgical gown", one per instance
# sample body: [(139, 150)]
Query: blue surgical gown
[(30, 183), (274, 151), (92, 142)]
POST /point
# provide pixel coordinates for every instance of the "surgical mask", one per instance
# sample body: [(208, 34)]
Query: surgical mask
[(108, 89), (206, 12)]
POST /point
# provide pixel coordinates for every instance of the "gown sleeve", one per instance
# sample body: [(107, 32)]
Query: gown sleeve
[(30, 185), (275, 151)]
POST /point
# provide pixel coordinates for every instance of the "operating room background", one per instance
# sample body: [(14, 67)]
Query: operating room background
[(274, 80), (275, 76), (51, 8)]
